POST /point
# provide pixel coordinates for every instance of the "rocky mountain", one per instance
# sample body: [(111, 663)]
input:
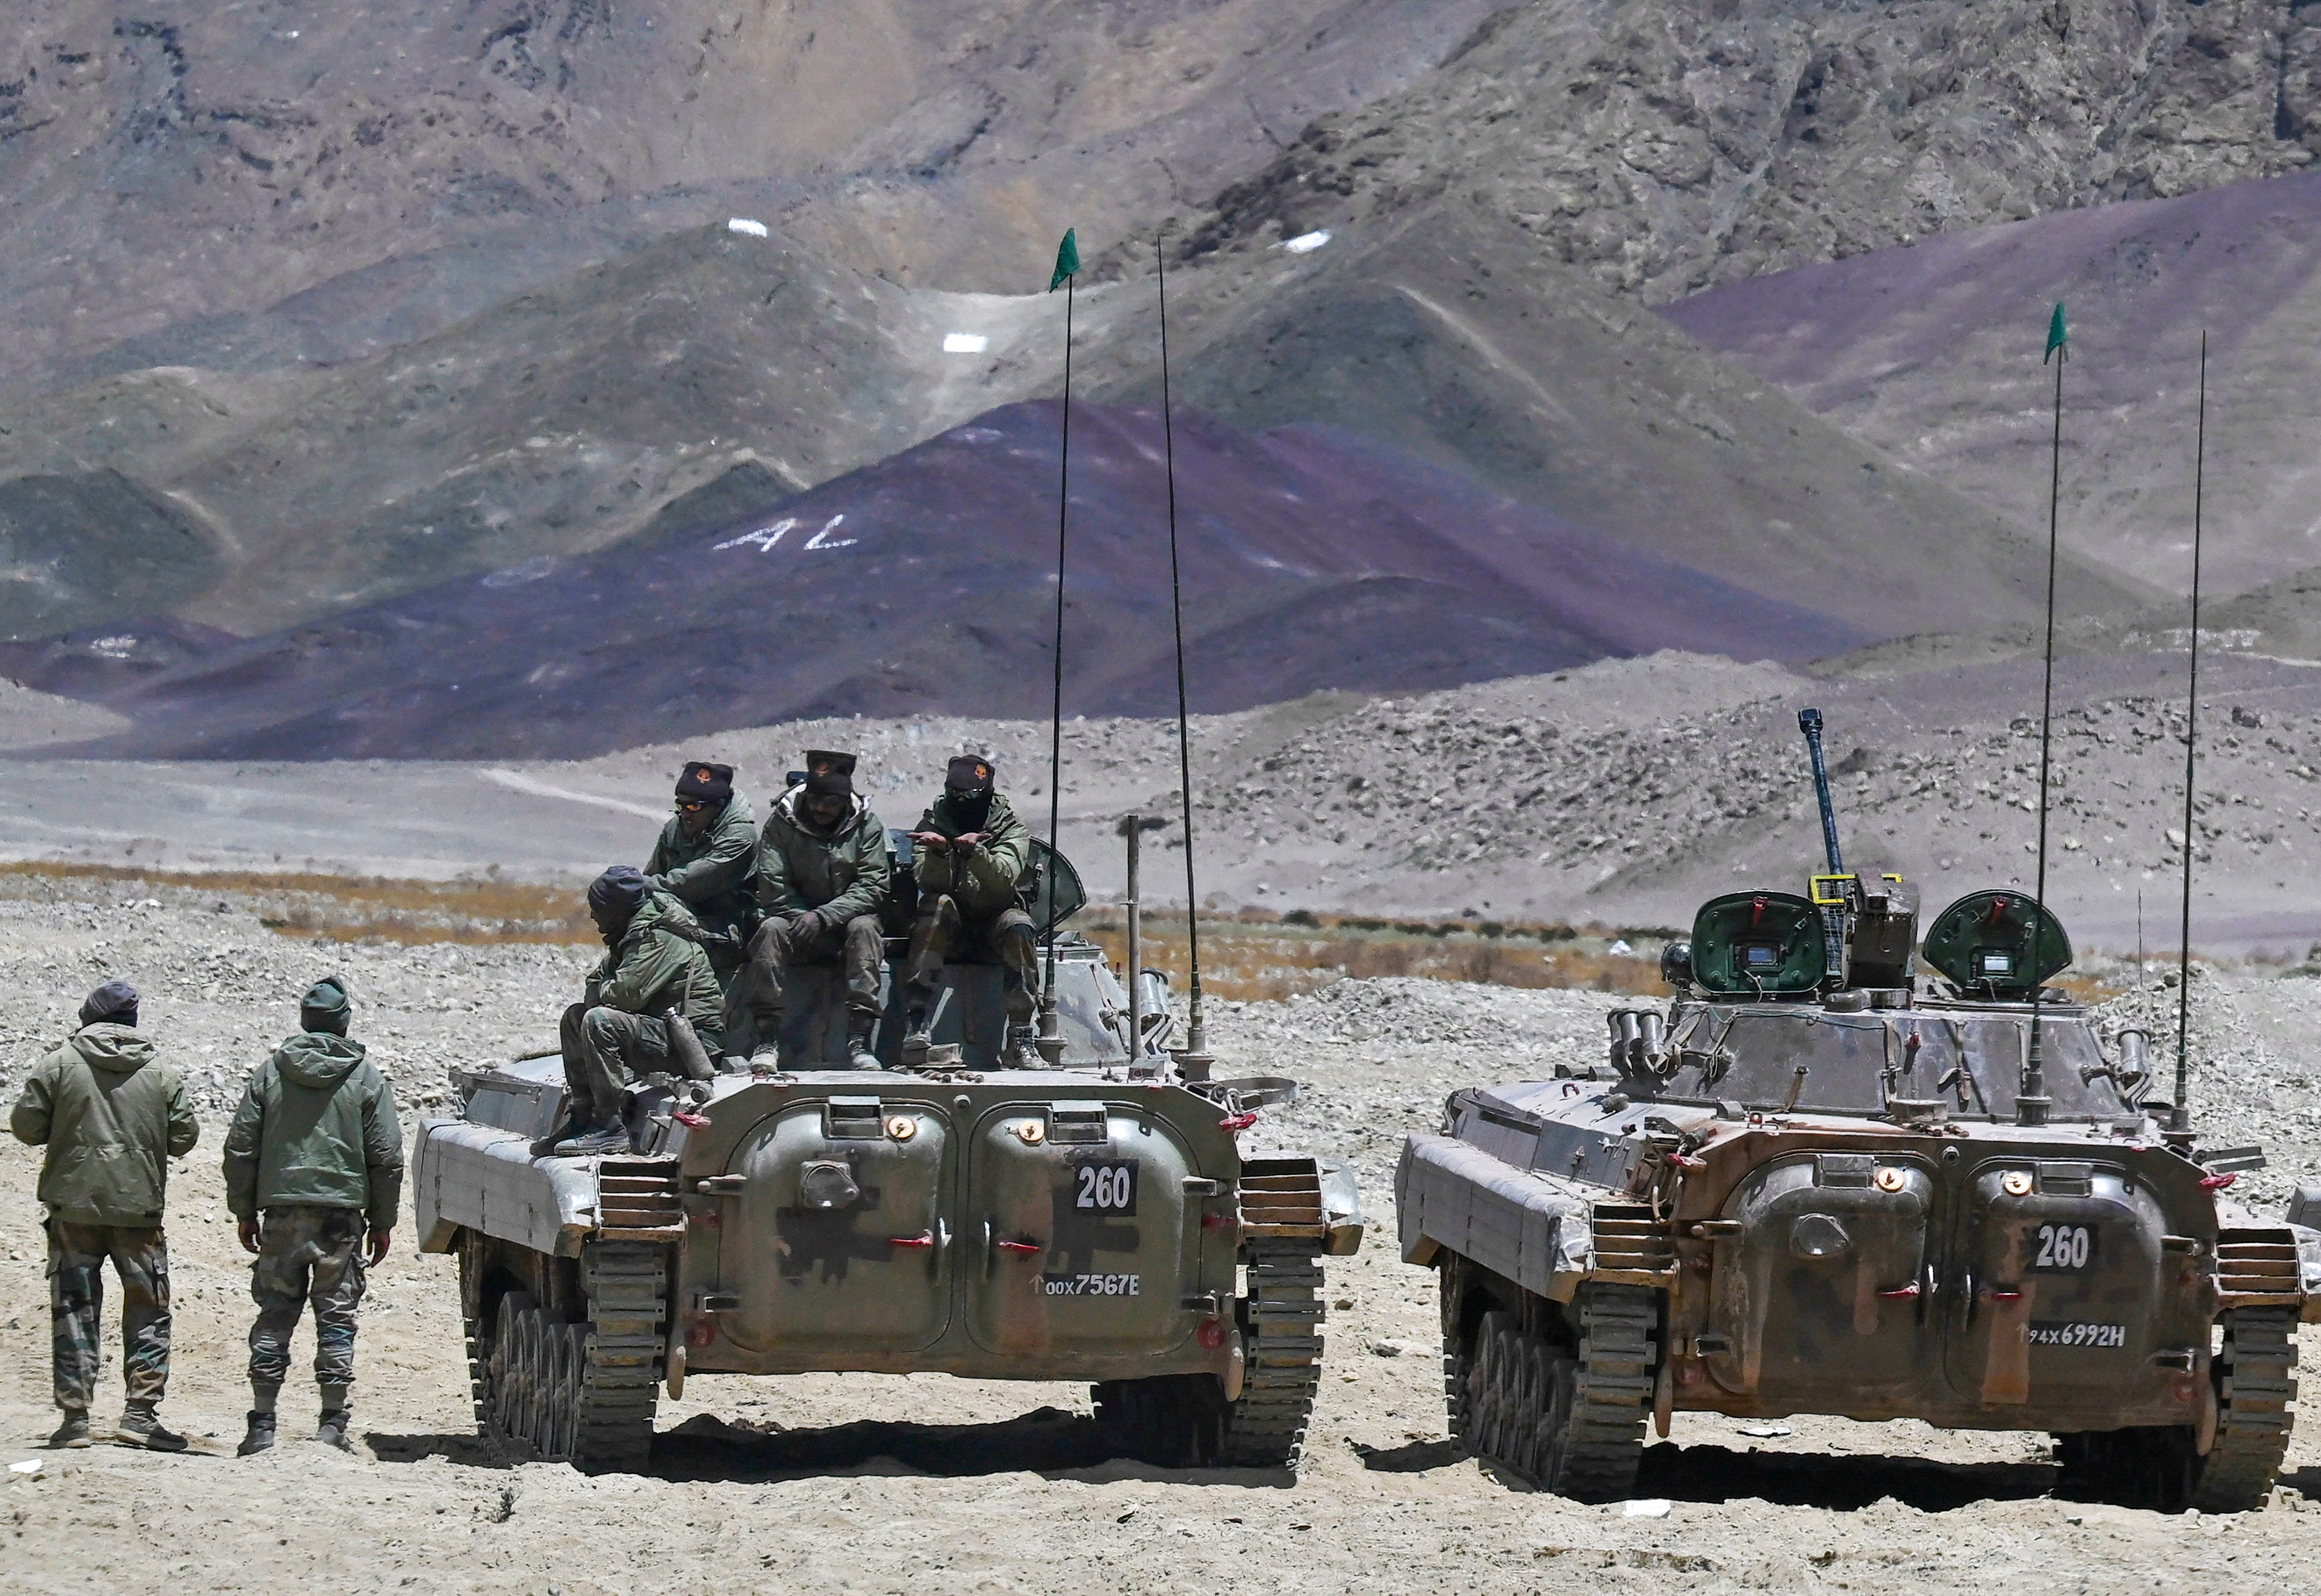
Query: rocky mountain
[(924, 585), (1666, 146), (1929, 351), (230, 185), (309, 306)]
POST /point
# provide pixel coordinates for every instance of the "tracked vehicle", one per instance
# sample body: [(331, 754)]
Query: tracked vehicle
[(1823, 1180), (1094, 1219)]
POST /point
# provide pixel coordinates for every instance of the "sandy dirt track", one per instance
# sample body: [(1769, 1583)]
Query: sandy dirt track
[(931, 1485)]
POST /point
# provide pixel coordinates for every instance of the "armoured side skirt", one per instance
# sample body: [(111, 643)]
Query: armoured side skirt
[(473, 1177), (1451, 1195)]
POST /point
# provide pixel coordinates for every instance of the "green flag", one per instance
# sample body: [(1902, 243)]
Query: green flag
[(1067, 261), (2058, 336)]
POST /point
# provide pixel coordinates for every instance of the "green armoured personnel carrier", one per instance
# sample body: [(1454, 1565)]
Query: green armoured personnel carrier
[(1098, 1219), (1830, 1180)]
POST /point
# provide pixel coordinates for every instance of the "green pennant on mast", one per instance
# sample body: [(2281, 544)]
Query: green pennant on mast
[(2058, 337), (1067, 261)]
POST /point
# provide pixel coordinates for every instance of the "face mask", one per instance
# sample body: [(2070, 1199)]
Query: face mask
[(972, 808)]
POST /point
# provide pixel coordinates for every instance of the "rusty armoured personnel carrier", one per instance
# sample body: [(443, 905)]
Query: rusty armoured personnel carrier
[(1827, 1179), (1096, 1219)]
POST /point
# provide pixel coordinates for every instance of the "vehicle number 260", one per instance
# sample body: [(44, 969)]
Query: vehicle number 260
[(2064, 1248), (1106, 1188)]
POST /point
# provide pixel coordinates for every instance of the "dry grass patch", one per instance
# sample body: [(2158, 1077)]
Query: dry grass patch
[(1243, 957), (354, 908)]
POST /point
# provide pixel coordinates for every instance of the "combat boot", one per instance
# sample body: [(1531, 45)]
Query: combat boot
[(141, 1427), (1020, 1052), (332, 1430), (610, 1137), (258, 1437), (575, 1124), (915, 1039), (859, 1029), (73, 1433)]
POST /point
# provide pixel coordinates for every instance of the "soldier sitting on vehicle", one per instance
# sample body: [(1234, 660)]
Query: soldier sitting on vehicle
[(822, 872), (313, 1172), (110, 1115), (969, 857), (619, 1031), (706, 857)]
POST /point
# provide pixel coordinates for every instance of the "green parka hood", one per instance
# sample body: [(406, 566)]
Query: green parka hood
[(316, 1128), (110, 1113), (116, 1049), (317, 1059)]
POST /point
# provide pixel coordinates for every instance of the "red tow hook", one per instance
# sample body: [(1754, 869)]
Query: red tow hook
[(1683, 1162), (924, 1238), (1238, 1121), (2217, 1183), (1910, 1290), (692, 1121), (1020, 1246)]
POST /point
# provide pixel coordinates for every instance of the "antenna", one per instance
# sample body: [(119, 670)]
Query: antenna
[(1194, 1061), (1051, 1041), (2179, 1118), (2031, 1100)]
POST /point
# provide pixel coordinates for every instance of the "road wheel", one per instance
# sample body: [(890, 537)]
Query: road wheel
[(508, 1373)]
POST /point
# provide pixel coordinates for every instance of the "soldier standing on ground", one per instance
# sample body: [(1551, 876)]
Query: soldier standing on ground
[(706, 858), (969, 861), (823, 870), (313, 1161), (653, 965), (110, 1115)]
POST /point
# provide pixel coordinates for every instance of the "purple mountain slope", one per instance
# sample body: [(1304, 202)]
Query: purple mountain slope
[(924, 583), (1931, 352)]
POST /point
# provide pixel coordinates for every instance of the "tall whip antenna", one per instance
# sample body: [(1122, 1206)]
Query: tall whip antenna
[(2179, 1118), (1194, 1061), (1067, 275), (2031, 1100)]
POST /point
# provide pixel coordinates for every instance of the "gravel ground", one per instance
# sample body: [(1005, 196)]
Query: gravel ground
[(930, 1484)]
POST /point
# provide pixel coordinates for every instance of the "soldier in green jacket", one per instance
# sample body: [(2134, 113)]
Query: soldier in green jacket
[(654, 967), (110, 1115), (313, 1161), (823, 871), (970, 857), (706, 855)]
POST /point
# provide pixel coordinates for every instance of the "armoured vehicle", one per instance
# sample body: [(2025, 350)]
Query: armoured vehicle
[(1093, 1219), (1825, 1181)]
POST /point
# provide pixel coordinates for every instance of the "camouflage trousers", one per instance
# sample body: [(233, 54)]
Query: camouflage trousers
[(1009, 938), (76, 1259), (760, 997), (306, 1255)]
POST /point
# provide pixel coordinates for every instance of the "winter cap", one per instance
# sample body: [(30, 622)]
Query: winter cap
[(325, 1008), (969, 773), (617, 892), (829, 774), (114, 1003), (702, 783)]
